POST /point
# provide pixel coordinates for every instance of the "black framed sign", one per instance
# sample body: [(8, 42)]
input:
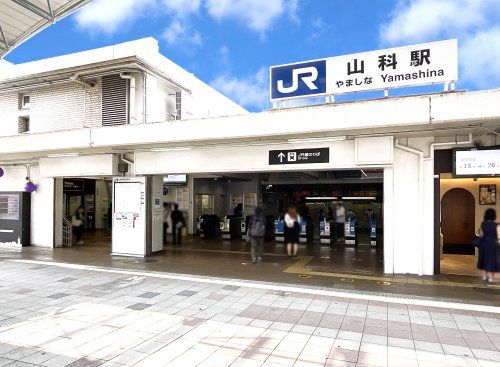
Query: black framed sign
[(299, 156)]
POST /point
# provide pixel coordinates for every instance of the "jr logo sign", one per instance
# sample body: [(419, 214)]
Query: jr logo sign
[(298, 79)]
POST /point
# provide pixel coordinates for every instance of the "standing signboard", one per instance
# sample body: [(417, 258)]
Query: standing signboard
[(428, 63)]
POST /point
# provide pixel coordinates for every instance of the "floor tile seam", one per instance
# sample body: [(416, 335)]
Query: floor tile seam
[(275, 286)]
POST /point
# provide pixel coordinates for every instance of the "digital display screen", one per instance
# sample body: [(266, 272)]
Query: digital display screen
[(175, 179), (476, 163), (9, 206)]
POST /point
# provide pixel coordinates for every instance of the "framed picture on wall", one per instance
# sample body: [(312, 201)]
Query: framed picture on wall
[(487, 194)]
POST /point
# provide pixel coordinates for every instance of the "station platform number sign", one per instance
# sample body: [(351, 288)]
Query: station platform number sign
[(299, 156)]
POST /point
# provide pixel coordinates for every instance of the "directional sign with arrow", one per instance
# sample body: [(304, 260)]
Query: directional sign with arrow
[(299, 156)]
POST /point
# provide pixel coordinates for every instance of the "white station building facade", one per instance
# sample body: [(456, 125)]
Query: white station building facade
[(125, 117)]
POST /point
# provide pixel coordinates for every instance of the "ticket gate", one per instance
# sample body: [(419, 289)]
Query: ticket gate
[(244, 227), (373, 231), (230, 227), (306, 231), (279, 230), (207, 226), (351, 232), (325, 233)]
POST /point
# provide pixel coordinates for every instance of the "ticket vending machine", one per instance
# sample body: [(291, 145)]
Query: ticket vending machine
[(130, 223), (15, 217), (350, 235), (279, 230), (325, 232)]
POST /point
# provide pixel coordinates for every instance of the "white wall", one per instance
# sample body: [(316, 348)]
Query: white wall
[(42, 202)]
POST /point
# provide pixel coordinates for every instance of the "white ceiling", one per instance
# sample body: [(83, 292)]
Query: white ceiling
[(22, 19)]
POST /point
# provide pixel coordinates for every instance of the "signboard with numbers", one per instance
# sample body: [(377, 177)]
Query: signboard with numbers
[(428, 63), (477, 162)]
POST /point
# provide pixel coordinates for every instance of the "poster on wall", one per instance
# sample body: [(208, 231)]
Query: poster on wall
[(487, 194), (9, 206), (249, 203), (182, 197)]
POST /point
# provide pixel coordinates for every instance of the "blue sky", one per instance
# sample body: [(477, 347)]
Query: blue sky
[(231, 43)]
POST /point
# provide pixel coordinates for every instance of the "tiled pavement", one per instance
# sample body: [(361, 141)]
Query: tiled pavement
[(53, 316)]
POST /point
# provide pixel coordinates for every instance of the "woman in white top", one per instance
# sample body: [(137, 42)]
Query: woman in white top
[(292, 231)]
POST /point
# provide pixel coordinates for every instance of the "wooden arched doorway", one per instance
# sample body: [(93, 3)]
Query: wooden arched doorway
[(457, 221)]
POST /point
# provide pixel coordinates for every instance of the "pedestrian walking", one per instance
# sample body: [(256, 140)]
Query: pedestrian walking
[(165, 216), (256, 234), (340, 220), (292, 231), (488, 246), (178, 222), (77, 222)]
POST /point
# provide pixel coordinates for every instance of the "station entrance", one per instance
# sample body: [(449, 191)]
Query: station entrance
[(341, 220), (85, 207)]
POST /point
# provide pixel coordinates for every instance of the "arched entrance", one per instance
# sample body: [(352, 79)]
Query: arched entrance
[(457, 221)]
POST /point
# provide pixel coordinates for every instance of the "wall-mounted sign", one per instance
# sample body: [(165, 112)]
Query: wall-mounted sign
[(477, 162), (299, 156), (9, 206), (487, 194), (73, 184), (422, 64)]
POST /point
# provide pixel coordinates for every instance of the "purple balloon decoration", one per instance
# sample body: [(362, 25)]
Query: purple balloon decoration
[(29, 187), (1, 172)]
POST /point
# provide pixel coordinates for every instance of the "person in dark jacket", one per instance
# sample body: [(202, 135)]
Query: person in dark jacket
[(178, 223), (256, 233), (78, 222), (238, 209), (488, 258)]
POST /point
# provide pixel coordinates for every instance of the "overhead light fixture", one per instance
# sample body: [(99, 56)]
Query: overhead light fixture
[(173, 149), (62, 155), (321, 198), (318, 140)]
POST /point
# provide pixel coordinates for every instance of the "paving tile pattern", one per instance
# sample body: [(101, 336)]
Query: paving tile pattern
[(54, 317)]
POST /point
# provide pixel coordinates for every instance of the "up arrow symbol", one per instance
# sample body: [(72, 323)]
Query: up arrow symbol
[(281, 156)]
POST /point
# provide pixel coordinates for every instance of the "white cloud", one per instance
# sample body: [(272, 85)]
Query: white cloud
[(250, 91), (474, 22), (109, 15), (480, 58), (182, 8), (258, 15), (180, 33)]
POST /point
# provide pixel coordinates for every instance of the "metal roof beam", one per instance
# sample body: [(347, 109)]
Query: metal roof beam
[(4, 39), (49, 6), (34, 9)]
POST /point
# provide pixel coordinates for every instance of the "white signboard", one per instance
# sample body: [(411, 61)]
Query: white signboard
[(421, 64), (477, 162), (182, 198)]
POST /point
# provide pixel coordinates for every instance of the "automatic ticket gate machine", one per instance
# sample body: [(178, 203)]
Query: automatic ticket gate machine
[(351, 232), (373, 231), (325, 233), (306, 231), (279, 230), (230, 226), (208, 226), (244, 227)]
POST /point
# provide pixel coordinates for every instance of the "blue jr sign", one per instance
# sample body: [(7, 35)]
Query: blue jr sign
[(302, 79)]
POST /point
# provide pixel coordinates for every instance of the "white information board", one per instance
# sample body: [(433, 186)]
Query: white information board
[(129, 216), (477, 162)]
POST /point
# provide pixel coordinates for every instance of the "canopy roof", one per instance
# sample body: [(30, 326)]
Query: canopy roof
[(22, 19)]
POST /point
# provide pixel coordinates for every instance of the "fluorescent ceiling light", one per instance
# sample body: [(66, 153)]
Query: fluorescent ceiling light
[(359, 198), (318, 140), (174, 149), (321, 198), (62, 155)]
